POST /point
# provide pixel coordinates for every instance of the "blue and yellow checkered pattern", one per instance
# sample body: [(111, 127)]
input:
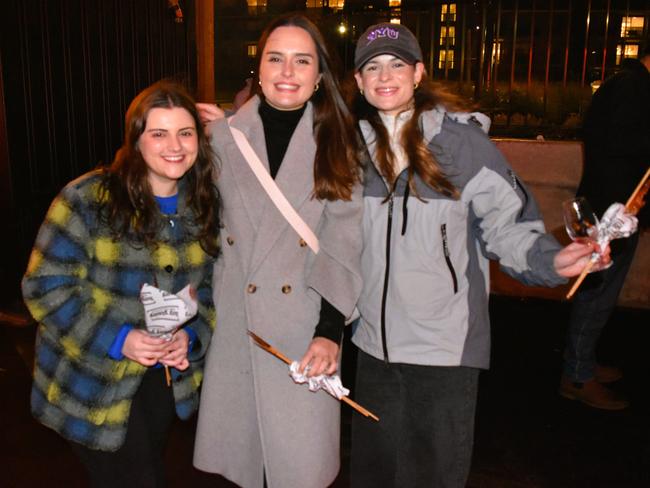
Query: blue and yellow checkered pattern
[(82, 285)]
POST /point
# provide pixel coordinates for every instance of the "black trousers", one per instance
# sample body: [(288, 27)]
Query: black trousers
[(592, 307), (139, 462), (425, 432)]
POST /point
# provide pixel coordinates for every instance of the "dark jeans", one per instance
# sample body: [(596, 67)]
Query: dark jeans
[(425, 432), (592, 306), (139, 462)]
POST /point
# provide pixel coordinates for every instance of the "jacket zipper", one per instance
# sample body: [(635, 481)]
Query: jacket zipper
[(386, 272), (517, 184), (445, 249)]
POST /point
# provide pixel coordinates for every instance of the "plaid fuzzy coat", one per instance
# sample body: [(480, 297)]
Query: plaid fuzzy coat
[(82, 286)]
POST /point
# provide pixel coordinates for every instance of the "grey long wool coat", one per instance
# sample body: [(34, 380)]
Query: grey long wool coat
[(253, 420)]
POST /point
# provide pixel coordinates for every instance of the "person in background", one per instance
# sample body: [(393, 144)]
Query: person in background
[(151, 217), (439, 201), (616, 133), (256, 425)]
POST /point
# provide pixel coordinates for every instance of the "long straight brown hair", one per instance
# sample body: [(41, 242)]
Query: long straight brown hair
[(336, 166), (427, 96), (127, 200)]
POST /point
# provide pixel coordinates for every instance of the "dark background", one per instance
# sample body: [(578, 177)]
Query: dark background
[(69, 69)]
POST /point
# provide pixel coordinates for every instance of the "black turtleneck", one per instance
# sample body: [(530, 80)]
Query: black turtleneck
[(279, 126)]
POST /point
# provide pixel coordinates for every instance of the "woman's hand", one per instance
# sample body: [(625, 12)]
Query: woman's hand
[(572, 259), (176, 349), (209, 112), (321, 357), (142, 348)]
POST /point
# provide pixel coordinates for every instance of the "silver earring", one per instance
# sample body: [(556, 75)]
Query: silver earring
[(316, 87), (361, 91)]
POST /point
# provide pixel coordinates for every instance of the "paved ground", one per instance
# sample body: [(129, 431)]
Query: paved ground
[(526, 436)]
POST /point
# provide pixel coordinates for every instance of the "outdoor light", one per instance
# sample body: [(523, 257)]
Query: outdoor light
[(342, 29)]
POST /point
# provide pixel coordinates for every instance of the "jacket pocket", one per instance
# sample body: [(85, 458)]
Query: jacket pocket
[(445, 249)]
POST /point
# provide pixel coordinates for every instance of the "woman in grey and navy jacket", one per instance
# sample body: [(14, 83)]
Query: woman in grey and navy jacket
[(151, 217), (439, 202)]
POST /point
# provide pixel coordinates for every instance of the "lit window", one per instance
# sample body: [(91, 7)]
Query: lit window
[(632, 26), (496, 51), (447, 34), (629, 51), (336, 4), (394, 3), (446, 58), (251, 50), (256, 7), (448, 12), (395, 21)]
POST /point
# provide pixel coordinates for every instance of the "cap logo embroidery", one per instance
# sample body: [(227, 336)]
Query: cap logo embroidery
[(382, 32)]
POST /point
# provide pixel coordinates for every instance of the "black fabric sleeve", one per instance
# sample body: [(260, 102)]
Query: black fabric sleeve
[(331, 322)]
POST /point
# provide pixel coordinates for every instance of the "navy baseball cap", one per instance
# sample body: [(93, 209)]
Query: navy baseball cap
[(387, 38)]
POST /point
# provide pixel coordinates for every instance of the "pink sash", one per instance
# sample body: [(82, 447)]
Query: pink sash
[(271, 188)]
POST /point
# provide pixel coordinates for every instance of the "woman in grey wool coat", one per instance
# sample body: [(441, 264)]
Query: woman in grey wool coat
[(255, 425)]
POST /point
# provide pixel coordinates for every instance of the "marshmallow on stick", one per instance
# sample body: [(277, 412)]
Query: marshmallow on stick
[(617, 222), (331, 384)]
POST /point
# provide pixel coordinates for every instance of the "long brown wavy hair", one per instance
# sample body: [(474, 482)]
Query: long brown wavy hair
[(128, 204), (336, 167), (427, 96)]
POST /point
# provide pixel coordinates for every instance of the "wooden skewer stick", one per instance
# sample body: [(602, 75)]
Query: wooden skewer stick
[(629, 206), (576, 284), (168, 376), (632, 200), (270, 349)]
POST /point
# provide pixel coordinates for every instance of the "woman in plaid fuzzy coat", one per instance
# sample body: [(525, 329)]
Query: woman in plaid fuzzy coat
[(149, 218)]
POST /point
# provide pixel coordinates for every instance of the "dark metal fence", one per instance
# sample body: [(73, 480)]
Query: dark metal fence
[(528, 62)]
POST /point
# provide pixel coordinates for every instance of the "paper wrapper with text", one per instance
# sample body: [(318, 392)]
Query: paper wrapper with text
[(165, 312)]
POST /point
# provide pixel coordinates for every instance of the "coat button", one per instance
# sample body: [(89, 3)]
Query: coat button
[(169, 268), (286, 289), (230, 240), (302, 242), (251, 288)]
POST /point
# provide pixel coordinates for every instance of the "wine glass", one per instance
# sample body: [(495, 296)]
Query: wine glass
[(580, 220)]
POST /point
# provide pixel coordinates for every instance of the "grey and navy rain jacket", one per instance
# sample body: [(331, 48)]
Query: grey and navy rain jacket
[(425, 261)]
